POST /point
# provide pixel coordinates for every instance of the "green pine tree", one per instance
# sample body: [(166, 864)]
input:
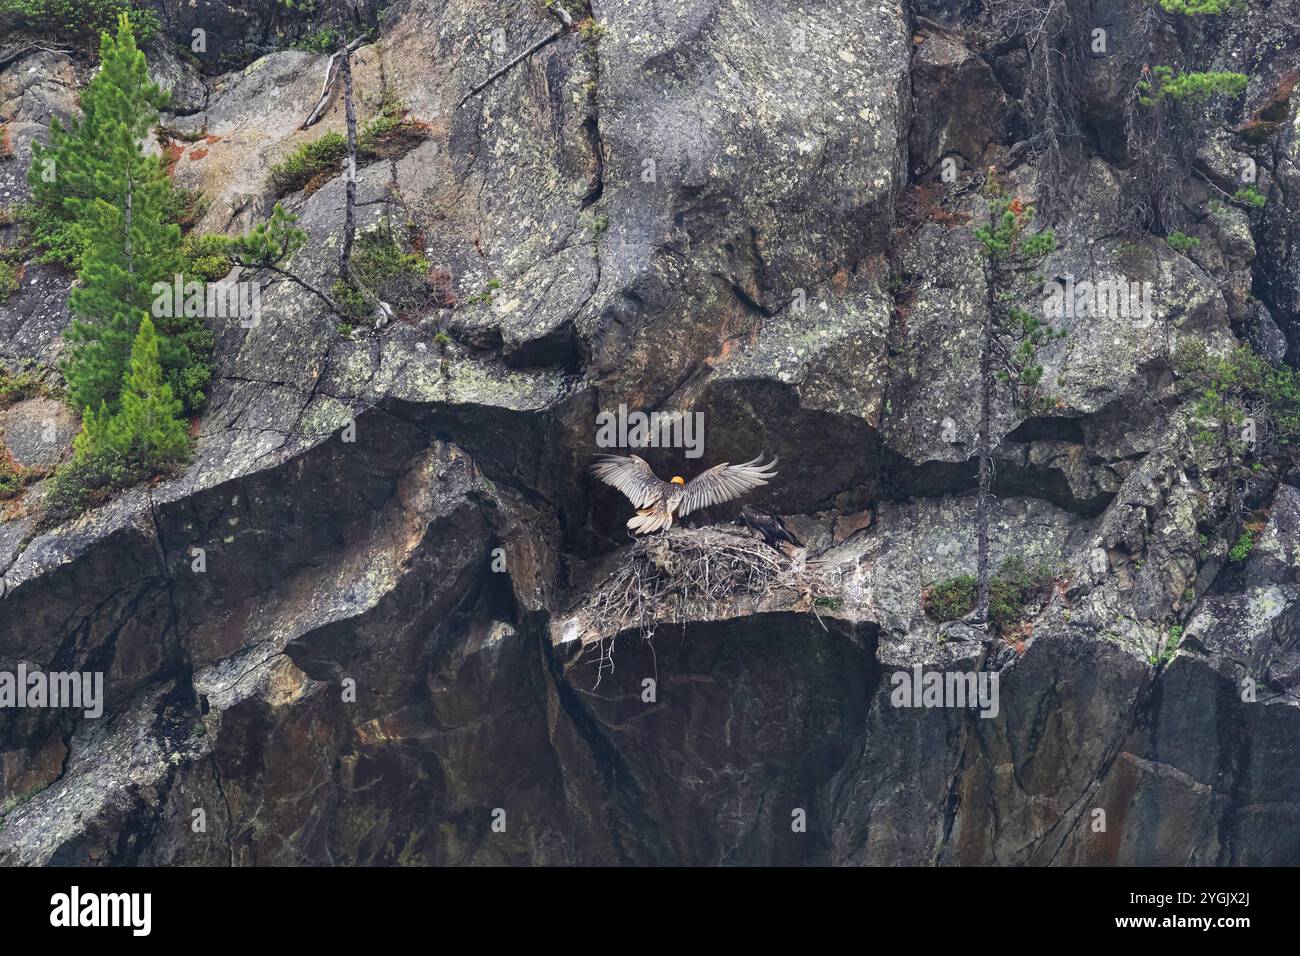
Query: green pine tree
[(147, 429), (116, 204), (93, 438), (65, 171), (114, 450)]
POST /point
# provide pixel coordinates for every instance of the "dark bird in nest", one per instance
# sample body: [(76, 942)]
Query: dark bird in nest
[(658, 502), (774, 531)]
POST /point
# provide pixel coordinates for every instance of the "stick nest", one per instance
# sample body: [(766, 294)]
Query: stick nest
[(682, 574)]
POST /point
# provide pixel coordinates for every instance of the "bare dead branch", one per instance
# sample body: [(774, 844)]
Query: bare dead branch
[(565, 19), (327, 88)]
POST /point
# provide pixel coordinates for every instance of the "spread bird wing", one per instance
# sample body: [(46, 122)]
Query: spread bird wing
[(723, 483), (632, 476)]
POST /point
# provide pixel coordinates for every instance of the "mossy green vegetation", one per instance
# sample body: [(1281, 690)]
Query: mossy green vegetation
[(1249, 196), (950, 599), (9, 273), (324, 40), (1015, 589), (1172, 639), (1243, 546), (310, 165), (185, 207), (78, 19), (396, 275), (17, 387), (355, 307), (12, 478), (1198, 8), (383, 268), (391, 131), (1181, 243), (1163, 82), (46, 236), (388, 133)]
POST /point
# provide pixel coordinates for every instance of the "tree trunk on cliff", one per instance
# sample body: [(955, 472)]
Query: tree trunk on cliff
[(984, 452), (350, 204), (1234, 493)]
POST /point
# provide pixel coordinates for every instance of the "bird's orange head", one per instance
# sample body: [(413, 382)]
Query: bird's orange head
[(678, 480)]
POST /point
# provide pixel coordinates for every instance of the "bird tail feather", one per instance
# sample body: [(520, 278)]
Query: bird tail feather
[(648, 520)]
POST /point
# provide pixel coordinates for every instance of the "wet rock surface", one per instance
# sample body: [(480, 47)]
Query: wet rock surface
[(341, 634)]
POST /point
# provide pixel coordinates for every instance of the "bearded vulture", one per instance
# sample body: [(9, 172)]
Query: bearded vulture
[(657, 502)]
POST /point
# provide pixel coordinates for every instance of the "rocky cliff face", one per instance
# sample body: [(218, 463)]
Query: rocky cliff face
[(737, 208)]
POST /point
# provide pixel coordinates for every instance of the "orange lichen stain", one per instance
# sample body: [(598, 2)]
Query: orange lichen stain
[(197, 154), (171, 152)]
